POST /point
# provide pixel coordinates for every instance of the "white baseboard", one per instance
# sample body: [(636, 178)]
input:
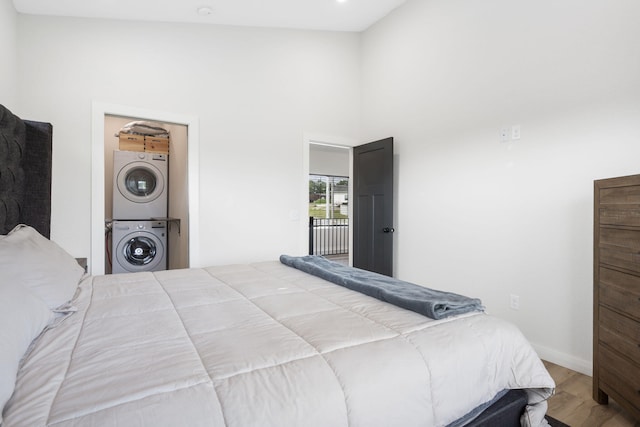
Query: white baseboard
[(571, 362)]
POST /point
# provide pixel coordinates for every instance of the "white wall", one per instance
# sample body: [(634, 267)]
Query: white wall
[(327, 160), (255, 92), (9, 54), (490, 219)]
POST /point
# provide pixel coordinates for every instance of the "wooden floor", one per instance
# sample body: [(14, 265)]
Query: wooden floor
[(342, 258), (572, 404)]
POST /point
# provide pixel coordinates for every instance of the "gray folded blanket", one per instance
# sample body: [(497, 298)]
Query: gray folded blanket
[(428, 302)]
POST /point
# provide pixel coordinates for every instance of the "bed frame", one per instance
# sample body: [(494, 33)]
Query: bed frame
[(504, 412), (25, 198)]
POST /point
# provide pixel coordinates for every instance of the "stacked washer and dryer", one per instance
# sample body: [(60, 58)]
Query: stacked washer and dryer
[(140, 198)]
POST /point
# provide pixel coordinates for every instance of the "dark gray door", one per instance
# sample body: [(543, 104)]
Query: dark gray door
[(373, 206)]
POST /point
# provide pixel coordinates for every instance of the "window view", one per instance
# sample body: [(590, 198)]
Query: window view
[(328, 215), (328, 196)]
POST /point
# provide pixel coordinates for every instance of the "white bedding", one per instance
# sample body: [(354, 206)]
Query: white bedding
[(263, 345)]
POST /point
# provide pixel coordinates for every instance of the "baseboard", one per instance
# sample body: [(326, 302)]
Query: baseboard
[(571, 362)]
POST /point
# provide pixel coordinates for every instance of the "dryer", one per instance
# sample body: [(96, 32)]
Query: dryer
[(139, 246), (140, 185)]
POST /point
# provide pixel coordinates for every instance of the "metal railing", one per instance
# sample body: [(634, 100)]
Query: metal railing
[(328, 236)]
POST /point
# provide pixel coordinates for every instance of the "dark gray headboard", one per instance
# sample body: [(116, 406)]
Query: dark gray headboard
[(25, 173)]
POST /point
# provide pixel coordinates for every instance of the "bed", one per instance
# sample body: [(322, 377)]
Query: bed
[(258, 344)]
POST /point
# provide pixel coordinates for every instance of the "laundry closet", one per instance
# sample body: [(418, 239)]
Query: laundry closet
[(146, 197)]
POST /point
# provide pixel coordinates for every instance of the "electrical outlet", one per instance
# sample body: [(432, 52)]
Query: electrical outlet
[(514, 302)]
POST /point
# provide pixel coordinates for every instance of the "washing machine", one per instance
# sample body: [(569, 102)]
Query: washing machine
[(140, 185), (139, 246)]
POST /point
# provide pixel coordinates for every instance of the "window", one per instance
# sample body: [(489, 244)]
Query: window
[(328, 196)]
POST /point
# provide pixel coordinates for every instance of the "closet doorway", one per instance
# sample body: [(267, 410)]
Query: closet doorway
[(177, 248), (100, 113)]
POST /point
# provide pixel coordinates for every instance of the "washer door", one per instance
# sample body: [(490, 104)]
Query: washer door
[(140, 182), (139, 251)]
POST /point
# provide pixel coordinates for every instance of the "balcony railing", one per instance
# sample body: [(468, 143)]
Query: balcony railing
[(328, 236)]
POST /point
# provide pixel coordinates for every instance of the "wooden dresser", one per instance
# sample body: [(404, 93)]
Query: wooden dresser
[(616, 292)]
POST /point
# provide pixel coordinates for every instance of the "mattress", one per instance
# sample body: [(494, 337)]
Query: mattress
[(264, 344)]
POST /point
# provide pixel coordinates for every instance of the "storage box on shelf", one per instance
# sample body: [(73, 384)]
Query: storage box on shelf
[(131, 142), (134, 142), (156, 145)]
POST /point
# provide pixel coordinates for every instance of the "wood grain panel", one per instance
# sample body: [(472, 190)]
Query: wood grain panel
[(621, 376), (616, 292), (629, 216), (620, 195), (620, 333), (620, 290)]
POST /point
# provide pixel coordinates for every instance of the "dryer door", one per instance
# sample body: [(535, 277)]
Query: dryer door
[(140, 182), (139, 251)]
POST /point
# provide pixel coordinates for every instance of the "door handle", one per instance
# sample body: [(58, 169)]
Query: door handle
[(388, 230)]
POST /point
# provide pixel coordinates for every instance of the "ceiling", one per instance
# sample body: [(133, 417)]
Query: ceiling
[(331, 15)]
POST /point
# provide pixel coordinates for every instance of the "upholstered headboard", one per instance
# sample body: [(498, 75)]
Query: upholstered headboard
[(25, 173)]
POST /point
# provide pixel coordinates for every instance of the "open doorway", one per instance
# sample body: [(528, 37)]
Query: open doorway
[(175, 242), (99, 112), (328, 210)]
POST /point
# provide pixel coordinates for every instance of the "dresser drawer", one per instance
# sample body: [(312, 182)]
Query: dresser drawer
[(619, 238), (620, 332), (620, 375), (620, 258), (620, 248), (620, 290), (620, 215), (627, 194)]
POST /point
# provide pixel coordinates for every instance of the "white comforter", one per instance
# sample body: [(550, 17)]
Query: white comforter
[(263, 345)]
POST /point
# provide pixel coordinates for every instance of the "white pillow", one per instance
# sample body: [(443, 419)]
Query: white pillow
[(31, 260), (22, 317)]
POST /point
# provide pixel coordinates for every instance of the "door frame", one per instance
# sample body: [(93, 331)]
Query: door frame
[(334, 141), (98, 112)]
